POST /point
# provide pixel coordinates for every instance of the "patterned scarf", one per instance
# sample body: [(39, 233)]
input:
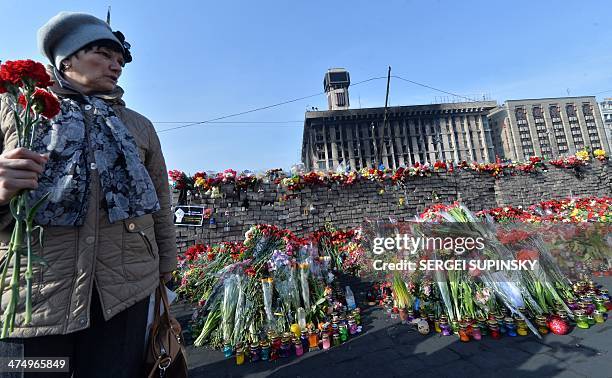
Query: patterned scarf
[(126, 184)]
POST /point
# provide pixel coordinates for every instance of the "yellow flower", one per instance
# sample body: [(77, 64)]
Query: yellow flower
[(582, 155), (200, 182), (599, 154)]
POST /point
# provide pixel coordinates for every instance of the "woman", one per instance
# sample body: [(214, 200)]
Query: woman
[(108, 233)]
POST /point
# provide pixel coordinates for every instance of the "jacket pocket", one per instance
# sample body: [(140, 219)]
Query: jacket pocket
[(140, 254)]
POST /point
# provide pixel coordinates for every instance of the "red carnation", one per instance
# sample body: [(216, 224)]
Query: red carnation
[(3, 84), (527, 255), (19, 72), (43, 103)]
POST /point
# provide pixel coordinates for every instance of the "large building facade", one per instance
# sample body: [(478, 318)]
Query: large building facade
[(547, 127), (477, 131), (606, 112), (399, 136)]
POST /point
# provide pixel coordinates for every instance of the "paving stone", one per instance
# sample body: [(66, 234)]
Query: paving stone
[(489, 361), (533, 347), (468, 349)]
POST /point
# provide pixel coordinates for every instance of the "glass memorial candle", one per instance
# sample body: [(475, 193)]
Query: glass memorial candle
[(285, 348), (463, 335), (476, 334), (313, 340), (521, 327), (494, 329), (239, 356), (482, 325), (304, 340), (227, 350), (265, 350), (343, 333), (255, 352), (510, 326), (500, 323), (357, 315), (541, 323), (325, 341), (299, 349), (581, 320), (352, 325)]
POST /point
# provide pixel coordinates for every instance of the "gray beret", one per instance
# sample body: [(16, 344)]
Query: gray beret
[(68, 32)]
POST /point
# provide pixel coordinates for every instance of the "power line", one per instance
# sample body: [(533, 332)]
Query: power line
[(284, 124), (238, 114), (215, 120), (258, 109), (228, 122), (430, 87)]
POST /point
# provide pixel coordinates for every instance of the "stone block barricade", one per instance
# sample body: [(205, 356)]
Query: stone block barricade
[(308, 209)]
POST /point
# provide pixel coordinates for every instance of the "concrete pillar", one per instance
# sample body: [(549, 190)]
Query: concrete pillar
[(351, 143), (566, 128), (413, 126)]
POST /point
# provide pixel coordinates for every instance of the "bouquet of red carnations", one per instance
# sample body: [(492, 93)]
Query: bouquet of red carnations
[(26, 83)]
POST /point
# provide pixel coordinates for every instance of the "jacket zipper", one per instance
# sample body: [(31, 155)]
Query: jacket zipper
[(147, 242)]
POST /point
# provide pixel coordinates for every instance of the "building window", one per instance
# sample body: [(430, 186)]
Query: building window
[(571, 112), (587, 110), (537, 112), (340, 99), (520, 115), (555, 115)]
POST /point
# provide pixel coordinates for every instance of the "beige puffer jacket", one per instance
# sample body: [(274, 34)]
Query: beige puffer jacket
[(123, 259)]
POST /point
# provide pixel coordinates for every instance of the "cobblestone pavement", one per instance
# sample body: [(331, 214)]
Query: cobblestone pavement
[(387, 348)]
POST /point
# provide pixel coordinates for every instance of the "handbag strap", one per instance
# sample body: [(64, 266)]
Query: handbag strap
[(162, 296)]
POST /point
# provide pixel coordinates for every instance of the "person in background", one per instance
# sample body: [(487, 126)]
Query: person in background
[(108, 231)]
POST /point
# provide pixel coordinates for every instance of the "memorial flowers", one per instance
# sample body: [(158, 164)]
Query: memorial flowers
[(271, 281), (600, 154), (299, 180), (26, 83)]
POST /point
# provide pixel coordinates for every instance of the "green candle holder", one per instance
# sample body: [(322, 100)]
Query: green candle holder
[(581, 321)]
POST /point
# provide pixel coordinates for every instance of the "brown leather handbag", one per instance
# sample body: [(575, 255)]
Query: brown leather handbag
[(165, 355)]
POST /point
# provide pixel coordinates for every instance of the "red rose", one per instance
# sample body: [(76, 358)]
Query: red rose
[(15, 72), (43, 103)]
